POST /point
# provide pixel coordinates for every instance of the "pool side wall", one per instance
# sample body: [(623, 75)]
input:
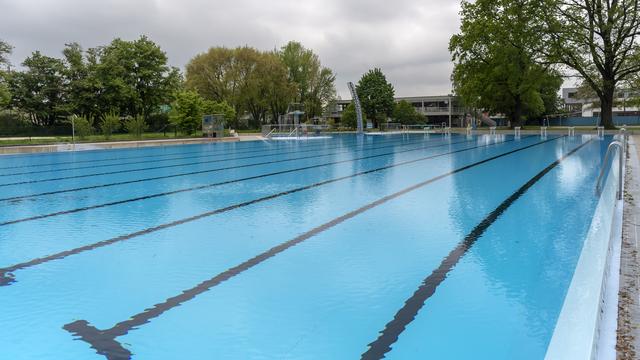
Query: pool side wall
[(586, 326)]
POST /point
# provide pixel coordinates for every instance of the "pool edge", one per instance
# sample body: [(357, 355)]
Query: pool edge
[(586, 326)]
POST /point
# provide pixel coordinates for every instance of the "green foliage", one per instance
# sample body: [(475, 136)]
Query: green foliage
[(262, 84), (376, 95), (135, 125), (598, 40), (499, 64), (83, 126), (349, 117), (110, 124), (219, 108), (406, 114), (187, 111), (39, 90), (314, 83)]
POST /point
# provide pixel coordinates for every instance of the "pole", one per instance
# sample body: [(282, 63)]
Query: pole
[(449, 111), (73, 129)]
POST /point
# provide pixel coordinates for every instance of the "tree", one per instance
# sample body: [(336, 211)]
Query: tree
[(187, 111), (315, 84), (40, 89), (250, 81), (406, 114), (84, 88), (598, 40), (376, 95), (134, 77), (5, 95), (499, 65), (279, 92), (349, 118)]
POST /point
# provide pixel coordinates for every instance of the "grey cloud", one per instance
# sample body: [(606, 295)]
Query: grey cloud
[(407, 39)]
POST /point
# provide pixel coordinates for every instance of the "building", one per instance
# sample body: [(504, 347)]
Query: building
[(436, 109), (590, 107)]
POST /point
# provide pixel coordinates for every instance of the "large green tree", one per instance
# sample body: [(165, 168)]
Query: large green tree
[(376, 95), (315, 84), (135, 77), (499, 65), (599, 40), (251, 81), (39, 90)]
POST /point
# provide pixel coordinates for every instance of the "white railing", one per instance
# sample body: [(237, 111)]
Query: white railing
[(600, 131), (516, 131), (290, 130), (543, 131), (614, 145), (571, 131)]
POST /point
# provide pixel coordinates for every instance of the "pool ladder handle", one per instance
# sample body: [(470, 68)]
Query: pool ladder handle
[(543, 131), (621, 153), (492, 130), (516, 131), (600, 130), (571, 131)]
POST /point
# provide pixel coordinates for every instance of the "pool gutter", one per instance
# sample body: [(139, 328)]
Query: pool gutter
[(586, 327)]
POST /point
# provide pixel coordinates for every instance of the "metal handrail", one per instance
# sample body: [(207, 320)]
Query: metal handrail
[(270, 132), (620, 146)]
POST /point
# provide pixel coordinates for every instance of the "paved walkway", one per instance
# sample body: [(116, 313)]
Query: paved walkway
[(24, 149), (629, 297)]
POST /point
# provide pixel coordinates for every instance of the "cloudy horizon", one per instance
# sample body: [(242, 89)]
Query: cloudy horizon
[(408, 39)]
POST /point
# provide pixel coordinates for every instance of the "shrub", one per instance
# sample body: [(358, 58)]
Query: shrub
[(135, 126), (110, 124), (83, 126)]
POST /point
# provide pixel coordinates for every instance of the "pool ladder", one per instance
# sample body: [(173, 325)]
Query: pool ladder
[(621, 154)]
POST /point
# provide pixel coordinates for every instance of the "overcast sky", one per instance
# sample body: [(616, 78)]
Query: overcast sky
[(407, 39)]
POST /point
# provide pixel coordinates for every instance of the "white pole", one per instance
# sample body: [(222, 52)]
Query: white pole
[(73, 129), (449, 112)]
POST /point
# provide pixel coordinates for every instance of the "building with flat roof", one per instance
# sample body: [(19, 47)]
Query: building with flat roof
[(590, 107), (436, 109)]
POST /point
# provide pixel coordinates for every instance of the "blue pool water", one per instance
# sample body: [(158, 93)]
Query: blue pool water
[(403, 247)]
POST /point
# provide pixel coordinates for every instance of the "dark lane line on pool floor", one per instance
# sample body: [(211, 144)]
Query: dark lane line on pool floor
[(211, 185), (150, 148), (206, 154), (84, 176), (391, 332), (104, 341), (22, 197), (7, 276)]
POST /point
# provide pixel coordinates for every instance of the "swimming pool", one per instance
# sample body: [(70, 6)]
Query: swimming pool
[(402, 247)]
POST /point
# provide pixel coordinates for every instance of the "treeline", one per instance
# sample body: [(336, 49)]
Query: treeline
[(263, 84), (132, 80)]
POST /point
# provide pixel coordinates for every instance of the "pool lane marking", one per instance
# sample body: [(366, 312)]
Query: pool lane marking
[(104, 341), (19, 156), (211, 185), (403, 317), (84, 176), (22, 197), (6, 273), (208, 154)]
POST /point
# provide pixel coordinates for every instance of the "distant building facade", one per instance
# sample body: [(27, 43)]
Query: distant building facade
[(436, 109), (590, 107)]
